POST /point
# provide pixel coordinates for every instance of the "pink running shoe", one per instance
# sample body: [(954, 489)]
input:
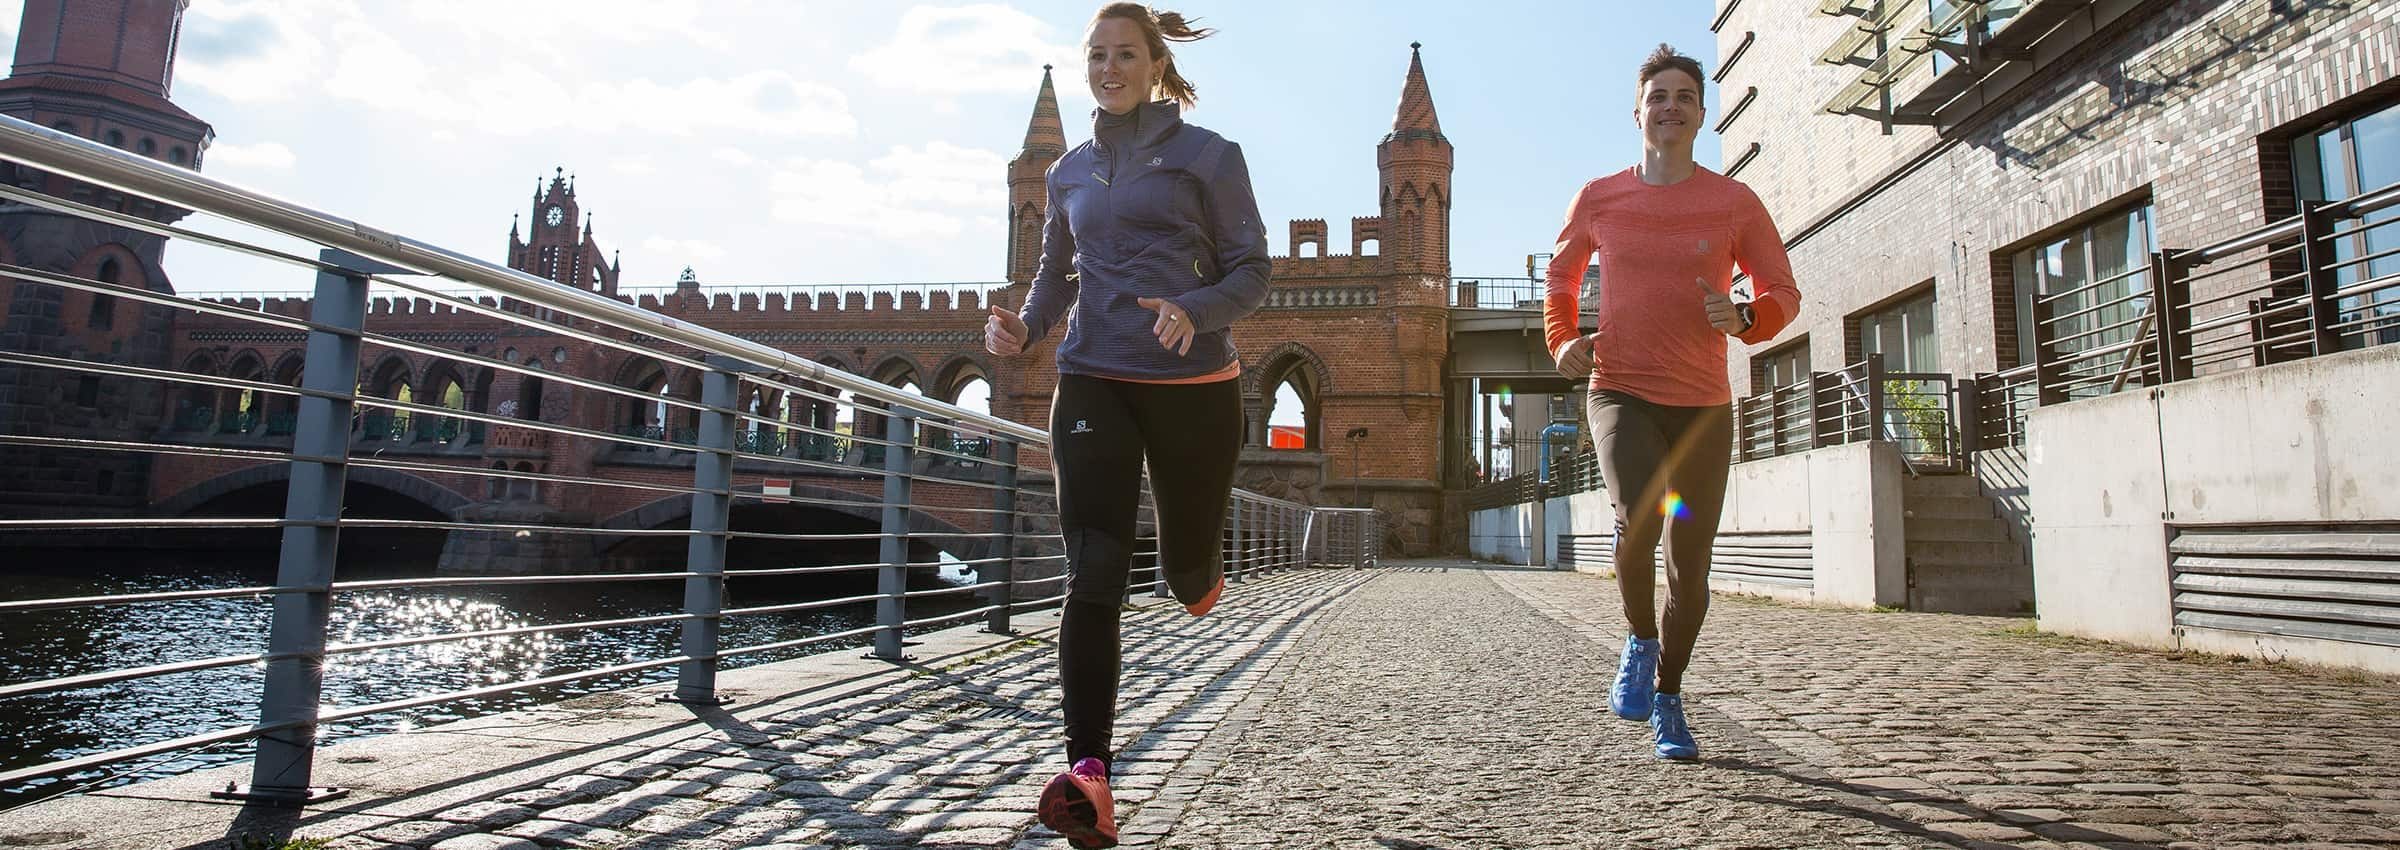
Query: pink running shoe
[(1077, 804)]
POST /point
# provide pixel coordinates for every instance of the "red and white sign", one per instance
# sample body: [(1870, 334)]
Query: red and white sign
[(773, 487)]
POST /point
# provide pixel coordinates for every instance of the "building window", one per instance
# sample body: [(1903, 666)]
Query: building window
[(1782, 367), (2096, 281), (87, 392), (146, 146), (175, 155), (2349, 159), (104, 306), (114, 138), (1973, 27), (1904, 334), (1915, 410)]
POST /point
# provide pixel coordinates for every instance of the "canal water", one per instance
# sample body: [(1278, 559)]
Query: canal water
[(61, 725)]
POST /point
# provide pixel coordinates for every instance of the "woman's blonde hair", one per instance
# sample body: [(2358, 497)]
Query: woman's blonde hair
[(1158, 28)]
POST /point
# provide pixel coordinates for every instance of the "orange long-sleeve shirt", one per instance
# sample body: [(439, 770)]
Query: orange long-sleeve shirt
[(1658, 246)]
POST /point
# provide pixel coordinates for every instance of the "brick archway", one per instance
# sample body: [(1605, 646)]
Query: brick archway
[(435, 496)]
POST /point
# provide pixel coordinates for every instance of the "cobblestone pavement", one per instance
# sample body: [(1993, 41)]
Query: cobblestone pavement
[(1426, 705), (955, 761), (1466, 708)]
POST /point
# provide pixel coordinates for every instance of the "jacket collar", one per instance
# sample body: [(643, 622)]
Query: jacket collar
[(1157, 119)]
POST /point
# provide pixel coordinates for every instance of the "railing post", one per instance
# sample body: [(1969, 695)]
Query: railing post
[(2171, 301), (1817, 438), (1004, 568), (1282, 550), (2049, 373), (1966, 408), (2324, 309), (891, 609), (712, 517), (1158, 562), (1291, 537), (312, 510), (1875, 399)]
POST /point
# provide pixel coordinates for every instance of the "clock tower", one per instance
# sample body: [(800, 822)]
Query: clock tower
[(561, 246)]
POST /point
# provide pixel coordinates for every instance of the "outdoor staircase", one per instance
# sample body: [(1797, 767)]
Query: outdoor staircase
[(1962, 557)]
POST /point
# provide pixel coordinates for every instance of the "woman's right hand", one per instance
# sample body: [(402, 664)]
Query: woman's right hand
[(1575, 358), (1004, 333)]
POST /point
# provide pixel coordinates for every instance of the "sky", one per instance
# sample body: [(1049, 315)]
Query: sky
[(839, 141)]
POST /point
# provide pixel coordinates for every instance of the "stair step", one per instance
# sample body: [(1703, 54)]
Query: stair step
[(1961, 553), (1948, 507), (1943, 485), (1971, 589), (1960, 529)]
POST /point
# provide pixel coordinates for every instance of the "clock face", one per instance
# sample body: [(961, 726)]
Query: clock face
[(554, 216)]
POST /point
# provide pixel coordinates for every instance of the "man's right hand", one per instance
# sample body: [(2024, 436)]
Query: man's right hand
[(1004, 333), (1575, 358)]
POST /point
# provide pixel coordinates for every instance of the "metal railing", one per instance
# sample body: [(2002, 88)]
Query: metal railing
[(1345, 537), (2313, 284), (801, 296), (943, 487), (1917, 411), (1516, 489), (1496, 293)]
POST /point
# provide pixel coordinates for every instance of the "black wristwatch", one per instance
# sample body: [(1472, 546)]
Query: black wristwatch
[(1749, 316)]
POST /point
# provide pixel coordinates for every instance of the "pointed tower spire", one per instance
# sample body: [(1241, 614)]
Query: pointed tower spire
[(1028, 196), (1416, 118), (1044, 133), (1415, 164)]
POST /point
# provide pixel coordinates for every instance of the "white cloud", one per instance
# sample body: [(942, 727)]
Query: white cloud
[(682, 251), (456, 69), (263, 156), (908, 193), (544, 24), (735, 157), (633, 166), (252, 50), (979, 48), (946, 174)]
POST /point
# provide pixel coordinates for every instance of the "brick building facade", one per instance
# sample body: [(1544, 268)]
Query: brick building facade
[(2071, 129)]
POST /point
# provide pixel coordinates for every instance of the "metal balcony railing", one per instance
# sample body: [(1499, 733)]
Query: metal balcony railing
[(2310, 285)]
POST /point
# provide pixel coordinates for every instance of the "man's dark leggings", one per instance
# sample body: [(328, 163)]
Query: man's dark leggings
[(1100, 433), (1664, 466)]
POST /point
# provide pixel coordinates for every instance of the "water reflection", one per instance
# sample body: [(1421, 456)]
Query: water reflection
[(60, 725)]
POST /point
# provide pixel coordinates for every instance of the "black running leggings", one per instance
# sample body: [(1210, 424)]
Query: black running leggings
[(1659, 460), (1100, 433)]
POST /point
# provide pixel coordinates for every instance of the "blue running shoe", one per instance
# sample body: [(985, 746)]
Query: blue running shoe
[(1637, 679), (1674, 735)]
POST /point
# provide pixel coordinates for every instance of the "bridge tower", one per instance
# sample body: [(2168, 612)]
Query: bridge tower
[(101, 70)]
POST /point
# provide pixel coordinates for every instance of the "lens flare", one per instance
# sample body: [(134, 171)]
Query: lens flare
[(1672, 507)]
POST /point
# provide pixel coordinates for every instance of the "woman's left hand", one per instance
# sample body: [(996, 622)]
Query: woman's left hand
[(1174, 327)]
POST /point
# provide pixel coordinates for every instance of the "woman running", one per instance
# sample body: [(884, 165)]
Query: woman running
[(1153, 239)]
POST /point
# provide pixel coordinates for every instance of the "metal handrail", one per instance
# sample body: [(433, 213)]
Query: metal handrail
[(50, 150)]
